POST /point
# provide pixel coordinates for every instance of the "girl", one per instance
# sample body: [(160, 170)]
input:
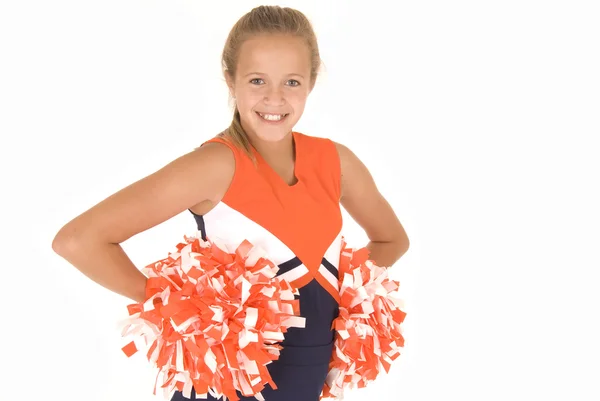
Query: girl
[(257, 180)]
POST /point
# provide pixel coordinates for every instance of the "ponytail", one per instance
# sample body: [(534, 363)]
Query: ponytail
[(236, 134)]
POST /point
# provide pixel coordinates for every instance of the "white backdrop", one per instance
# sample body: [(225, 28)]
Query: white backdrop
[(477, 120)]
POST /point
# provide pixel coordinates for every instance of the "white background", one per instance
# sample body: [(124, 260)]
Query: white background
[(477, 119)]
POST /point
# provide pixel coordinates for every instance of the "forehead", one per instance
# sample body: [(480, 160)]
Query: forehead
[(274, 54)]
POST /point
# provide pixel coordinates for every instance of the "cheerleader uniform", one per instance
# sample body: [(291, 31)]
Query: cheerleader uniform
[(299, 226)]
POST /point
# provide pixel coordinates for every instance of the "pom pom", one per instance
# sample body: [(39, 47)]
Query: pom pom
[(368, 328), (213, 319)]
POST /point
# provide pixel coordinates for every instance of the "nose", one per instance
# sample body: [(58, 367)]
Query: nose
[(274, 96)]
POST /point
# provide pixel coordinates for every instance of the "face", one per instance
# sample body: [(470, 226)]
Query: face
[(271, 85)]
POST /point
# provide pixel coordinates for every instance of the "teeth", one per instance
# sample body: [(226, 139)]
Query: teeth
[(272, 117)]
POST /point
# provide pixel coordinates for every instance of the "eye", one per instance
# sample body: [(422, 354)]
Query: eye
[(293, 82), (254, 81)]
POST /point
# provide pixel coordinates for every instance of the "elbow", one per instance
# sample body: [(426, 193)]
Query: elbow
[(66, 242), (73, 239), (403, 249), (63, 243)]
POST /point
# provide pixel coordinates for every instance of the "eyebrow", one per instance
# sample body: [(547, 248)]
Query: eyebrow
[(262, 73)]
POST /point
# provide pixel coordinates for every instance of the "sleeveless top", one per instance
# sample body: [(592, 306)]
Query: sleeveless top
[(299, 226)]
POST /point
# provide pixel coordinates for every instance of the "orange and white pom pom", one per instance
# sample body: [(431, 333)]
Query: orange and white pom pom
[(368, 328), (213, 319)]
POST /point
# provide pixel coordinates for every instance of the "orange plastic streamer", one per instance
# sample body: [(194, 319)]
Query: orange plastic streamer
[(368, 328), (212, 319)]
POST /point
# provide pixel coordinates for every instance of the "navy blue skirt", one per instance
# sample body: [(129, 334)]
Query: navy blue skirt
[(303, 364), (299, 375)]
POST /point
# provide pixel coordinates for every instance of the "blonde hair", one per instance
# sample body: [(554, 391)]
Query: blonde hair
[(264, 20)]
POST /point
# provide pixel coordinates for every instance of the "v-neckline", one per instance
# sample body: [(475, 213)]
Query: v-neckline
[(271, 171)]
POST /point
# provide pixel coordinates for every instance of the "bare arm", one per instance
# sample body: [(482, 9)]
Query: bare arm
[(367, 206), (91, 241)]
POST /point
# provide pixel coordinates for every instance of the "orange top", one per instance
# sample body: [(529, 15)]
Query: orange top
[(305, 216)]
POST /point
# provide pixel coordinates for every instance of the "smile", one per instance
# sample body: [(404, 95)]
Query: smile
[(272, 118)]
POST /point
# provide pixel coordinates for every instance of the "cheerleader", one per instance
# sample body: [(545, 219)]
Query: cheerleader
[(258, 180)]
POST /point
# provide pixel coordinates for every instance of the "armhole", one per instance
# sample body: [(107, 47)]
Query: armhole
[(236, 160), (336, 169)]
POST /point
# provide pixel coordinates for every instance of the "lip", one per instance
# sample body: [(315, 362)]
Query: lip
[(272, 122)]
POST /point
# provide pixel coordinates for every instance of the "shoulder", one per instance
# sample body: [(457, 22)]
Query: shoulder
[(199, 176), (354, 173), (202, 174), (216, 156), (342, 150), (348, 158), (211, 154)]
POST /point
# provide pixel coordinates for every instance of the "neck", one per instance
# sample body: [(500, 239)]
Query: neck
[(273, 150)]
